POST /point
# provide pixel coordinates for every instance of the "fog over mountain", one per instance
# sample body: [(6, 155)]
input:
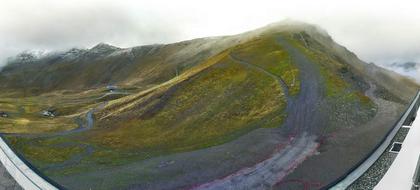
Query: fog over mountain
[(407, 66), (384, 34), (410, 68)]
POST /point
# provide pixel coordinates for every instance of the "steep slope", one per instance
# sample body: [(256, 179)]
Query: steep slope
[(79, 69), (284, 103)]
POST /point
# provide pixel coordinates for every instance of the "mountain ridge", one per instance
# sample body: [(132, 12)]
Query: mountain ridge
[(276, 102), (212, 46)]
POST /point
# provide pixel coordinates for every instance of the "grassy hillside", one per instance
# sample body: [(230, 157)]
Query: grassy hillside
[(82, 69), (209, 104), (184, 97), (222, 102), (266, 53)]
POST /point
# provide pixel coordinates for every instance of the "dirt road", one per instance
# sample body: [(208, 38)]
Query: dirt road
[(302, 115)]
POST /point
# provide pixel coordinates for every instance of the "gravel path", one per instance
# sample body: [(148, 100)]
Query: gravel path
[(281, 156), (303, 110), (267, 173), (280, 80), (7, 182), (302, 115), (84, 125)]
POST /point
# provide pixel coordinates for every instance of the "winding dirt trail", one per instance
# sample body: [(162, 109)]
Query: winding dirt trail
[(283, 84), (83, 126), (303, 115), (303, 110)]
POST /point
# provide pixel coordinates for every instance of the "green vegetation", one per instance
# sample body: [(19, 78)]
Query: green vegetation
[(182, 97), (216, 101), (331, 69), (45, 151), (266, 53), (209, 104), (221, 103), (24, 116), (24, 113)]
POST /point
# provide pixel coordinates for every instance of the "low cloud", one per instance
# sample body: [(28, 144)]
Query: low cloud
[(411, 69), (31, 26), (407, 66), (383, 34)]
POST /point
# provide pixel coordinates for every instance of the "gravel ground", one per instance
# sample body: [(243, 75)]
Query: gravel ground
[(249, 157), (6, 181), (303, 115), (375, 173), (341, 150), (262, 152)]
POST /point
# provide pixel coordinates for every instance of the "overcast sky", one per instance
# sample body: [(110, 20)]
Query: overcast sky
[(377, 31)]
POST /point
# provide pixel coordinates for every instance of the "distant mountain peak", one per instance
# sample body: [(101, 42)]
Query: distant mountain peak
[(103, 45), (72, 53), (103, 48), (292, 25), (27, 56)]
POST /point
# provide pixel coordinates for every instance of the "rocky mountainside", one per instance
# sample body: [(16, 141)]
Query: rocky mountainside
[(284, 103), (153, 64)]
